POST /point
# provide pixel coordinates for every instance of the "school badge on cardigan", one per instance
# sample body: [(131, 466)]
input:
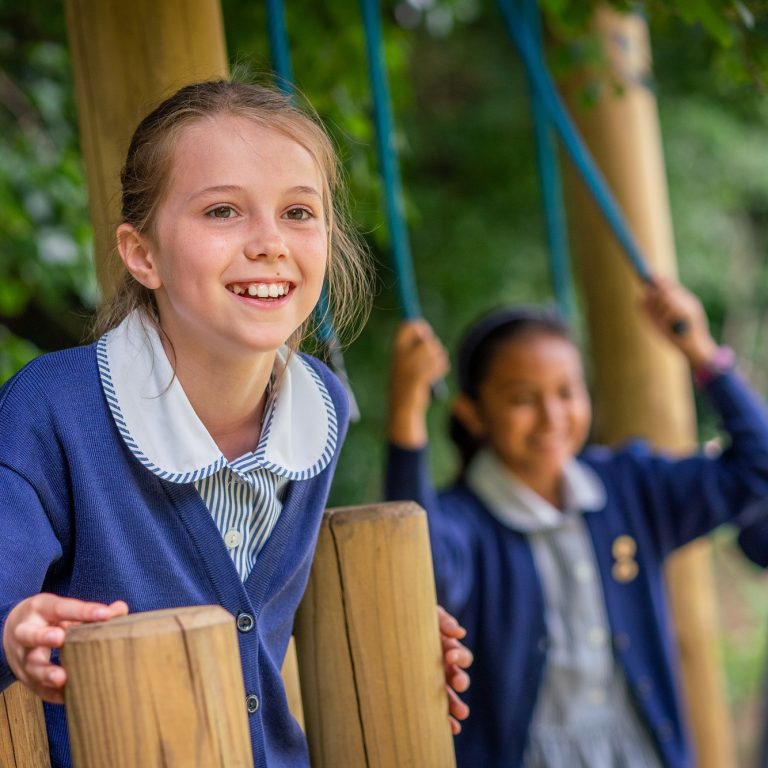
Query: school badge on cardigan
[(625, 567)]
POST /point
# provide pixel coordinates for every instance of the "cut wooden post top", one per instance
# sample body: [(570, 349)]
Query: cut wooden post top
[(166, 621), (388, 509)]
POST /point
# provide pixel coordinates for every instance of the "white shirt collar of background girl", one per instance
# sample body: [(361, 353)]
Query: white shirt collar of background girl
[(518, 507), (160, 427)]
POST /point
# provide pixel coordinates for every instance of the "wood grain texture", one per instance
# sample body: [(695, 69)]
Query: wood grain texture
[(642, 385), (23, 740), (161, 688), (368, 644), (126, 57)]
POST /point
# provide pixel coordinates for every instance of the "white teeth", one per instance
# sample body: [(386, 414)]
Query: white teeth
[(262, 290)]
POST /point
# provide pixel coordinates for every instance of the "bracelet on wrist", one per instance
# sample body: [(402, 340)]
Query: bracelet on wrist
[(722, 361)]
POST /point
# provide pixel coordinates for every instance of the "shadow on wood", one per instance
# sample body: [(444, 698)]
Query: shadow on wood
[(368, 643), (23, 740)]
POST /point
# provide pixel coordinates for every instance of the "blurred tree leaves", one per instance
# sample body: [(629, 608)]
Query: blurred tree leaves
[(463, 131)]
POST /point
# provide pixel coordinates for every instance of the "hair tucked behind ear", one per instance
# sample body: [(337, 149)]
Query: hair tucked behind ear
[(147, 170), (477, 350)]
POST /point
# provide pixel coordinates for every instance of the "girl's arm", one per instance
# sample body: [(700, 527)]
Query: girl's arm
[(32, 624), (691, 496), (419, 359)]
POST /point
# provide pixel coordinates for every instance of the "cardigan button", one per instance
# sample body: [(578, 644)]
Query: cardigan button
[(245, 622), (664, 730), (621, 641), (644, 687), (251, 703)]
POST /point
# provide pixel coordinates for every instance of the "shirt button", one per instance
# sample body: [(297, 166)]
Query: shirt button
[(245, 622), (596, 637), (233, 538), (542, 644), (251, 703), (583, 571), (597, 696)]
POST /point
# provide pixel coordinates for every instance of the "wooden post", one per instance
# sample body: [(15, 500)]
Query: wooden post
[(368, 643), (157, 688), (127, 56), (23, 740), (642, 387)]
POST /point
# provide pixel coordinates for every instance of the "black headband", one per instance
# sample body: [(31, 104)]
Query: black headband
[(495, 320)]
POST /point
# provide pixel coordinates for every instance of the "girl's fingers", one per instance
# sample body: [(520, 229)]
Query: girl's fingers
[(46, 675), (32, 635), (448, 624), (456, 706), (457, 678), (455, 725)]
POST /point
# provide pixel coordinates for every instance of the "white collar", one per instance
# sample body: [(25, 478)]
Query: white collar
[(518, 507), (162, 430)]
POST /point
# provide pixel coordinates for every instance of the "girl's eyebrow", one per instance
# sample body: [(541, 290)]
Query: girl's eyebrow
[(234, 188)]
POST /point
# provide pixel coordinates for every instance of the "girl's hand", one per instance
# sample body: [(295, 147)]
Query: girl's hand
[(37, 625), (456, 658), (418, 360), (667, 303)]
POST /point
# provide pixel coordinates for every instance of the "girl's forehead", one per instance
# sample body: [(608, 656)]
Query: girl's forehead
[(534, 355), (235, 148)]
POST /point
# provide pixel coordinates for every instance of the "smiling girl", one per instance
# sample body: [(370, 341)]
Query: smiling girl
[(551, 553), (185, 457)]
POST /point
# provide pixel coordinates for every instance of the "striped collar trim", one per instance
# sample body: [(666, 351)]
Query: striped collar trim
[(162, 430)]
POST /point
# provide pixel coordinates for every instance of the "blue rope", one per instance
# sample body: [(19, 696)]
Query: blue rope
[(279, 50), (582, 159), (549, 178), (388, 164), (280, 56)]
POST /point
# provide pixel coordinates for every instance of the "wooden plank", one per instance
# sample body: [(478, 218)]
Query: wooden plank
[(157, 688), (368, 643), (23, 739)]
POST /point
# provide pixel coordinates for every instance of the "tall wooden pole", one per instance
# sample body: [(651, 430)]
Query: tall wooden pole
[(127, 56), (157, 688), (368, 644), (23, 740), (642, 387)]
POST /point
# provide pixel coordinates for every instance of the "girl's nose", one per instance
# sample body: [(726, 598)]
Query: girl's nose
[(550, 411), (268, 245)]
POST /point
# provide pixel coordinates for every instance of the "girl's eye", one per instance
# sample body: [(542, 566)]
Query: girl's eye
[(221, 212), (298, 214)]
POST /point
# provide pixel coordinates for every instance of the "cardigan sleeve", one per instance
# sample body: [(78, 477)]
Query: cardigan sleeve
[(688, 497), (28, 547), (451, 534)]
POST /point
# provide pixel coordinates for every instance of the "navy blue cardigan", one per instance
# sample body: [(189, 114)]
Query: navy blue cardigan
[(82, 517), (486, 576)]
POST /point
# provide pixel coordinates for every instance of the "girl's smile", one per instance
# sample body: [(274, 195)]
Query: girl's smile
[(533, 409), (238, 252)]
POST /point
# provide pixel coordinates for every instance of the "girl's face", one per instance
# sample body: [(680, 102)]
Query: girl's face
[(239, 249), (533, 409)]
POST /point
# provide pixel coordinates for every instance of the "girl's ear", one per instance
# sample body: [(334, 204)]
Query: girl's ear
[(137, 254), (465, 410)]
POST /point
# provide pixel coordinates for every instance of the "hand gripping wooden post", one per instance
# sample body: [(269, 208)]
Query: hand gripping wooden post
[(23, 740), (369, 652), (157, 688)]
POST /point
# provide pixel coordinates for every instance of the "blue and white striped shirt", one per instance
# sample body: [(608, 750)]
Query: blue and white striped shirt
[(162, 430)]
